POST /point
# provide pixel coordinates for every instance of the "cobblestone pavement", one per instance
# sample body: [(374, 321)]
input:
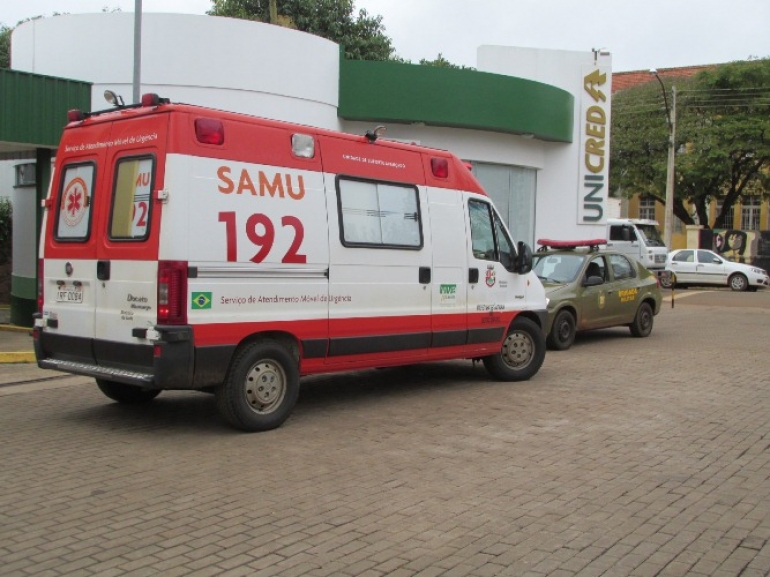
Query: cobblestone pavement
[(622, 456)]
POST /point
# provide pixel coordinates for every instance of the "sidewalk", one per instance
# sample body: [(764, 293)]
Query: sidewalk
[(15, 342)]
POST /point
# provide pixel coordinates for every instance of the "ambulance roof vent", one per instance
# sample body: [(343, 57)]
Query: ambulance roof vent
[(372, 135)]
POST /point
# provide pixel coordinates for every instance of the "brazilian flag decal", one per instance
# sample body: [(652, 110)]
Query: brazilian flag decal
[(201, 301)]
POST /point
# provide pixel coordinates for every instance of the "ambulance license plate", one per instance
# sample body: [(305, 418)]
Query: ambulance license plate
[(69, 295)]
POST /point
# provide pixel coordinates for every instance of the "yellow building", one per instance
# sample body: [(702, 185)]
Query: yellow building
[(748, 213)]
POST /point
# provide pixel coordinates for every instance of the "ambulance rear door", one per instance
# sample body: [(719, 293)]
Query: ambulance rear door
[(69, 245), (127, 242)]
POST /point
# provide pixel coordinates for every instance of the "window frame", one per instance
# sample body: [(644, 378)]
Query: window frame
[(751, 205), (115, 171), (90, 196), (358, 244), (625, 261), (684, 256), (647, 207)]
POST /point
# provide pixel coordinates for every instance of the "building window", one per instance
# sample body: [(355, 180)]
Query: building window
[(647, 207), (25, 174), (750, 213), (728, 220)]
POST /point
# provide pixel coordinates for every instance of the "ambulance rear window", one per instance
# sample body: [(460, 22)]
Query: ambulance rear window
[(378, 214), (73, 220), (131, 206)]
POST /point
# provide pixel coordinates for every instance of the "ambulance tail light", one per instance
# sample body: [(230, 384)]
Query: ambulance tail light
[(209, 131), (40, 285), (439, 167), (172, 292)]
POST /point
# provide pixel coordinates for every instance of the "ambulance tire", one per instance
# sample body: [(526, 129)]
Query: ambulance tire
[(126, 394), (522, 353), (261, 387)]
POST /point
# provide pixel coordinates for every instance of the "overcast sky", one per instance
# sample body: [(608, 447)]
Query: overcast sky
[(640, 34)]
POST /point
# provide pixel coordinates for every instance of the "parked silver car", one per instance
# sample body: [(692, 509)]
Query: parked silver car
[(704, 267)]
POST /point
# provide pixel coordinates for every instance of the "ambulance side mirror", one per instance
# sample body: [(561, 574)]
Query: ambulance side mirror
[(522, 261)]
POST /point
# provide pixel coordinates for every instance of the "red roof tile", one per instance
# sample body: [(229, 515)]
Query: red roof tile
[(624, 80)]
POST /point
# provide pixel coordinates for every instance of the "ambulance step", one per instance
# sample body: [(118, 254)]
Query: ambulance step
[(96, 371)]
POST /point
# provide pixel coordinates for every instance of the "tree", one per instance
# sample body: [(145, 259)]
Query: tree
[(441, 62), (362, 36), (722, 139), (6, 230), (5, 46)]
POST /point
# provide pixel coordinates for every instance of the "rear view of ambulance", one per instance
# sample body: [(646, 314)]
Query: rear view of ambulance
[(189, 248)]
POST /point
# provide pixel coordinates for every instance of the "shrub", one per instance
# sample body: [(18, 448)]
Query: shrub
[(6, 229)]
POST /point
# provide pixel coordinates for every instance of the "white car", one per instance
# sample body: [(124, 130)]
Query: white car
[(703, 267)]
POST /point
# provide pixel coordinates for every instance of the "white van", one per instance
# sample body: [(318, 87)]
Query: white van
[(190, 248), (638, 238)]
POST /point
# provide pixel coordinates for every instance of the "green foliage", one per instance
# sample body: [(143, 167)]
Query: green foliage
[(441, 62), (362, 36), (6, 229), (722, 138), (5, 46)]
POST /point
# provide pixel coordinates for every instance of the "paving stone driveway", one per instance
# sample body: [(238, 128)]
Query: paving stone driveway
[(622, 456)]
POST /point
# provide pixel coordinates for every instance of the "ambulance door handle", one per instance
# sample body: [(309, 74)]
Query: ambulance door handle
[(103, 269), (473, 275), (424, 275)]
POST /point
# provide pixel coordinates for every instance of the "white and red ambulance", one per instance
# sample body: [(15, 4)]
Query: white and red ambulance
[(190, 248)]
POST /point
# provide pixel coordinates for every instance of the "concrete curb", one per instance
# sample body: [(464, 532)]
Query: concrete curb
[(20, 357), (15, 328), (16, 356)]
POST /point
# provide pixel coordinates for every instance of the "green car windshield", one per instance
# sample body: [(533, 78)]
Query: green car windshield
[(558, 268)]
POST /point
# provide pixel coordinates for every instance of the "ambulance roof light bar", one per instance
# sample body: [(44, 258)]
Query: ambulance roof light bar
[(592, 244), (152, 99), (149, 99)]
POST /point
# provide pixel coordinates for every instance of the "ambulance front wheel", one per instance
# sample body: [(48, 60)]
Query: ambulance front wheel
[(126, 394), (521, 354), (261, 387)]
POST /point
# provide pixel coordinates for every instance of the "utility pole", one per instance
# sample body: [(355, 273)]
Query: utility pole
[(670, 169), (668, 225), (137, 49), (273, 12)]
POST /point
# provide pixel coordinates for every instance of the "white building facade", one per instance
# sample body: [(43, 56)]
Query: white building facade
[(534, 124)]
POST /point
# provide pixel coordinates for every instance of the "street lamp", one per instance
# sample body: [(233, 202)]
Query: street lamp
[(668, 225)]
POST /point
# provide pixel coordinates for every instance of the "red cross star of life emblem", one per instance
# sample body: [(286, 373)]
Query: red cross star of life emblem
[(74, 201)]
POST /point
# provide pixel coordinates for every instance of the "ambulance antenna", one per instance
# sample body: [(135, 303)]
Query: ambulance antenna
[(371, 136)]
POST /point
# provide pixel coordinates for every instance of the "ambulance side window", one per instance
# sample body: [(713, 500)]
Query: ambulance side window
[(482, 233), (73, 220), (504, 242), (130, 215), (378, 214)]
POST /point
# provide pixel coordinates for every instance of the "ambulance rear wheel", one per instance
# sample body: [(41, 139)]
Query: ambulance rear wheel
[(522, 353), (127, 394), (261, 387)]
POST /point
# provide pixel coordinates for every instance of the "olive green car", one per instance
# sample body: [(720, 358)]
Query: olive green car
[(588, 289)]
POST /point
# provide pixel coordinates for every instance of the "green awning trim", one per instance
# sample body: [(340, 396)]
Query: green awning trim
[(456, 98), (33, 107)]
